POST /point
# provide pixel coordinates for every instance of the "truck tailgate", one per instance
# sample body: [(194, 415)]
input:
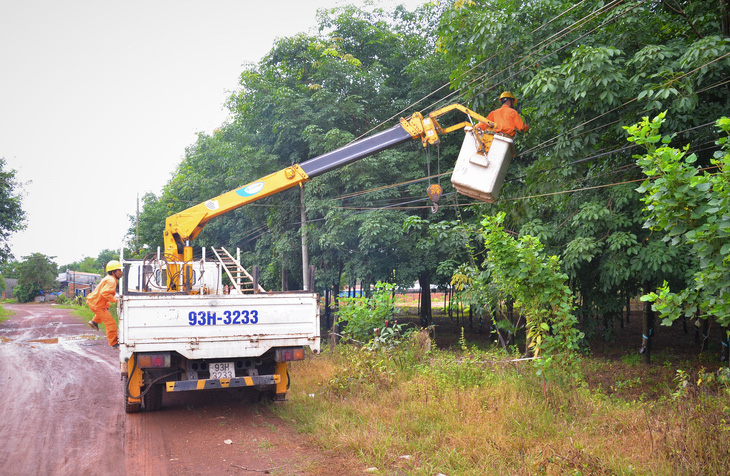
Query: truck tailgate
[(218, 326)]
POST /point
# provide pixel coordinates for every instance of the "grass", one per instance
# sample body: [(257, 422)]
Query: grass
[(5, 314), (473, 412), (87, 314)]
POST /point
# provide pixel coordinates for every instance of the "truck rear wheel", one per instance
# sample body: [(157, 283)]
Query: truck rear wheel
[(153, 398), (129, 407)]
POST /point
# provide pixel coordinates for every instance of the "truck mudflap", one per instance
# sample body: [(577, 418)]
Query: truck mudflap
[(207, 384)]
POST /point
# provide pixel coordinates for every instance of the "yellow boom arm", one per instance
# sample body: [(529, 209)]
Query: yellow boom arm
[(186, 225)]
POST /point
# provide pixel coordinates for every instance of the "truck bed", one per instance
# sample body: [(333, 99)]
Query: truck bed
[(217, 326)]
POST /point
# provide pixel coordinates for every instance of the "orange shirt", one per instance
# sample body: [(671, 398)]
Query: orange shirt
[(506, 120), (104, 294)]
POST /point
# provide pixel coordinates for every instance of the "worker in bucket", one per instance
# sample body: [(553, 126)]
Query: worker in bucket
[(100, 299), (506, 119)]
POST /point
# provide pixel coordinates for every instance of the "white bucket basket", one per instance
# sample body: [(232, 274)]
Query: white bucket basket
[(481, 177)]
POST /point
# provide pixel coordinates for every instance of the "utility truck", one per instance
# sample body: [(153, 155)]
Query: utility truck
[(180, 329)]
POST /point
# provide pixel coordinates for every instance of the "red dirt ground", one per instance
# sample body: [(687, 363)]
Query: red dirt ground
[(62, 413)]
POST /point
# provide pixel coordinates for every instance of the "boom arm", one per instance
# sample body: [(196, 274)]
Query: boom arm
[(186, 225)]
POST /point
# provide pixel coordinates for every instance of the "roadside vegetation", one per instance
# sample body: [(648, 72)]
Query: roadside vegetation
[(537, 402), (416, 409), (80, 309), (5, 313)]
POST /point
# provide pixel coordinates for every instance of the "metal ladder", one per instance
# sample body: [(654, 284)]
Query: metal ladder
[(242, 281)]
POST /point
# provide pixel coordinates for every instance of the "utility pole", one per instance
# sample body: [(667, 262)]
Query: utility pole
[(136, 226), (305, 248)]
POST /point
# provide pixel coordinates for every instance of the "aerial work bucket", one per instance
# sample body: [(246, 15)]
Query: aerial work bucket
[(478, 176)]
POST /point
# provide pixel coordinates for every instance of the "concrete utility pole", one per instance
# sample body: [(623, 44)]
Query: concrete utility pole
[(305, 247), (136, 226)]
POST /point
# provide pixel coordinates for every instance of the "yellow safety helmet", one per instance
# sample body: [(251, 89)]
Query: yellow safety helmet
[(507, 95), (113, 265)]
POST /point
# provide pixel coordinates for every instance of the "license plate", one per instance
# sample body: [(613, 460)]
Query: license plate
[(222, 370)]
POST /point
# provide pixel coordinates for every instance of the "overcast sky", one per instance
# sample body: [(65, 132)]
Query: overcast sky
[(98, 100)]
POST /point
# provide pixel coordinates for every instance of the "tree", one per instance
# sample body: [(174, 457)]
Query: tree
[(309, 95), (36, 274), (93, 265), (521, 269), (12, 215), (582, 71), (692, 208)]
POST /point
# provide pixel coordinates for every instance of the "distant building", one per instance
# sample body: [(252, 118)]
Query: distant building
[(77, 283)]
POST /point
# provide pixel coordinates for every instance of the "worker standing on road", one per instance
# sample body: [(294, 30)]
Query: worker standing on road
[(506, 119), (100, 299)]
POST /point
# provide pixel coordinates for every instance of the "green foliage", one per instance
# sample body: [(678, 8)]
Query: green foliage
[(36, 273), (12, 215), (92, 265), (361, 316), (364, 369), (692, 208), (581, 70), (690, 384), (311, 94), (5, 314), (521, 269), (391, 336)]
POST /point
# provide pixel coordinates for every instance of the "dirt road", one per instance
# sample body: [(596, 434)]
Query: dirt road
[(61, 412)]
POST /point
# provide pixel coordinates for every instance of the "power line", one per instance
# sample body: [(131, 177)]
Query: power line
[(629, 102), (524, 58), (501, 50)]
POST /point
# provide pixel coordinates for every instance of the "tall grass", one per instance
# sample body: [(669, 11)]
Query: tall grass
[(407, 411), (5, 314)]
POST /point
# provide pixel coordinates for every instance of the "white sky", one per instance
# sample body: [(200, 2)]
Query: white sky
[(99, 98)]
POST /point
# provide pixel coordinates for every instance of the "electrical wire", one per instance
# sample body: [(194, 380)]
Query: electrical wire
[(629, 102), (545, 43), (523, 59), (481, 63)]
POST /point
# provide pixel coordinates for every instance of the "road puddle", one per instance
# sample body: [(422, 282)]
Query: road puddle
[(56, 340), (46, 341)]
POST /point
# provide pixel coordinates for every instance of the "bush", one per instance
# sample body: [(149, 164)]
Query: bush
[(359, 317)]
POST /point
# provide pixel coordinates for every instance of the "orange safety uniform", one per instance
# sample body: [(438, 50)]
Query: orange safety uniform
[(506, 121), (99, 301)]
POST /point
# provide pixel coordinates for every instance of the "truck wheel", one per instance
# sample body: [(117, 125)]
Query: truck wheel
[(129, 407), (153, 398)]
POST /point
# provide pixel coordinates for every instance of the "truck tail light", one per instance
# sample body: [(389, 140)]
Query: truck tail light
[(153, 361), (285, 355)]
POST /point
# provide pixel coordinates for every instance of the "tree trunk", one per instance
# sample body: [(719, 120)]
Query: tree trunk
[(725, 17), (334, 330), (424, 279), (451, 303), (327, 311), (284, 279), (704, 338), (648, 332)]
